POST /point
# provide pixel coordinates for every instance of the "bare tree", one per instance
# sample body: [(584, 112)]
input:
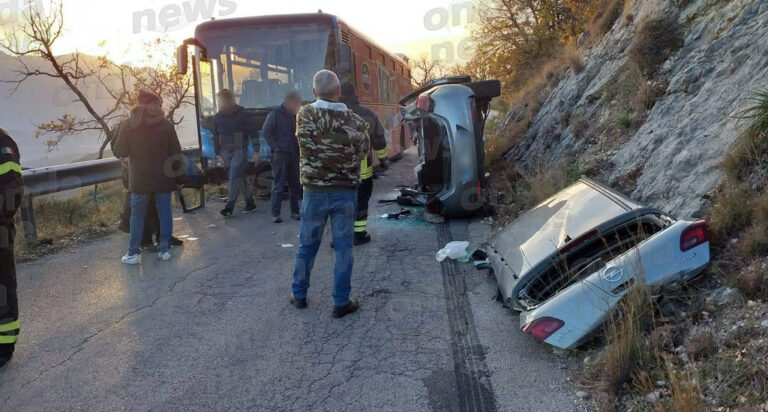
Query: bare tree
[(32, 45), (424, 70)]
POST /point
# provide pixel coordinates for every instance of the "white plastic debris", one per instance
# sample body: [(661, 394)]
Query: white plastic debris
[(192, 239), (453, 250), (212, 226), (286, 245), (183, 236)]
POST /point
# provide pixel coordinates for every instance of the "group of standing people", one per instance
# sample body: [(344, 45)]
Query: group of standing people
[(321, 149)]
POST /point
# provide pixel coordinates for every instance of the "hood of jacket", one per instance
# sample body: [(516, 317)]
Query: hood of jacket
[(145, 115), (330, 116)]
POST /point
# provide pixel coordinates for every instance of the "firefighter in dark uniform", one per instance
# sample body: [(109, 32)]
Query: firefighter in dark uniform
[(11, 192), (379, 145)]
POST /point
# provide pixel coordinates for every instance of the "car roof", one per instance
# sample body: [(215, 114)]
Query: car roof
[(540, 232)]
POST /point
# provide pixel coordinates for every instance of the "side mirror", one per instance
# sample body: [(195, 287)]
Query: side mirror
[(182, 59), (344, 63)]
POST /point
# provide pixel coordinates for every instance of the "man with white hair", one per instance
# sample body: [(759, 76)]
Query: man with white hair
[(333, 142)]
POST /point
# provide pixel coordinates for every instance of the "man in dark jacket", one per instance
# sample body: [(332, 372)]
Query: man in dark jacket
[(151, 222), (280, 133), (11, 192), (156, 167), (231, 136), (379, 144)]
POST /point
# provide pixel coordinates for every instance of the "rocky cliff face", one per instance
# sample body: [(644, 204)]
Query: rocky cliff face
[(668, 157)]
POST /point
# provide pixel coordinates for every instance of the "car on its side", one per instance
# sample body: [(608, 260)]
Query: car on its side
[(446, 118), (566, 264)]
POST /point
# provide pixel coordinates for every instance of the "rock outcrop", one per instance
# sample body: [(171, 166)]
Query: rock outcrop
[(671, 155)]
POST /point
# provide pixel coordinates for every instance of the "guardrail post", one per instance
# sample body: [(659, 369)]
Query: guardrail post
[(28, 219)]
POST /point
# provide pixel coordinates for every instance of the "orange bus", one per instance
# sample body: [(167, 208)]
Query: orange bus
[(261, 58)]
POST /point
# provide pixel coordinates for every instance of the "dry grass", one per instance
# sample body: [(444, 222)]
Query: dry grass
[(61, 222), (573, 57), (625, 350), (739, 215), (607, 15)]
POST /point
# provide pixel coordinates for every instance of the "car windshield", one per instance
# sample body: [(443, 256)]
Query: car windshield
[(261, 64)]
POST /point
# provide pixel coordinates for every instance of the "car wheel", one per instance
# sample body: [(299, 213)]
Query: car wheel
[(487, 89)]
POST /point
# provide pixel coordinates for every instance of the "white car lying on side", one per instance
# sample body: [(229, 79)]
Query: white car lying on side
[(566, 264)]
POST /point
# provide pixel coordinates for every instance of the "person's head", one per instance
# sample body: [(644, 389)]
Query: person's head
[(348, 93), (147, 98), (292, 101), (226, 100), (325, 85)]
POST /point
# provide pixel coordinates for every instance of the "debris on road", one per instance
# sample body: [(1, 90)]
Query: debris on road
[(286, 245), (453, 250), (398, 215), (212, 226)]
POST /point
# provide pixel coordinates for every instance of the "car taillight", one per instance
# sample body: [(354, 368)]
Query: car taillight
[(434, 206), (694, 235), (425, 102), (543, 328)]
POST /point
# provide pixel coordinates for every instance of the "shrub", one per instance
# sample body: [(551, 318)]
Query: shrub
[(572, 56), (602, 22), (730, 212), (656, 40), (752, 281), (624, 121)]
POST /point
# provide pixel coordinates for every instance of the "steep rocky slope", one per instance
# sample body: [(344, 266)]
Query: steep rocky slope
[(667, 156)]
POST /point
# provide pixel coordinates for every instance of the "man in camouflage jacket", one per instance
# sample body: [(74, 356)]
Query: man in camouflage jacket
[(332, 143)]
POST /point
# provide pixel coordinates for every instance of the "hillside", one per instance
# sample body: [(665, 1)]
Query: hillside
[(668, 103), (667, 156)]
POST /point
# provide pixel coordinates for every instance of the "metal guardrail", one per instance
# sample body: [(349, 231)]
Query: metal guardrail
[(55, 179)]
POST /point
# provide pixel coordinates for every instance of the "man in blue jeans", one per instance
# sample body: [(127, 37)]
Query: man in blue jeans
[(231, 136), (156, 167), (332, 142), (279, 131)]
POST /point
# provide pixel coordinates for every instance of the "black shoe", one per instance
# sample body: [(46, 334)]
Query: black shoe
[(276, 219), (226, 212), (249, 208), (341, 311), (176, 241), (362, 238), (299, 303)]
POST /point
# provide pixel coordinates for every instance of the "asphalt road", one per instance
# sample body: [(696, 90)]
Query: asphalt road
[(212, 329)]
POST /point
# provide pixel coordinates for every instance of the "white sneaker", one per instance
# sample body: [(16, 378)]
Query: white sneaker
[(164, 256), (130, 259)]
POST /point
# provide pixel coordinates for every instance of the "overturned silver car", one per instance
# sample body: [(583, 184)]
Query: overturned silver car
[(566, 264)]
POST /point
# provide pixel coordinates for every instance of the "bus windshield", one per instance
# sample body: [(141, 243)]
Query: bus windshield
[(261, 64)]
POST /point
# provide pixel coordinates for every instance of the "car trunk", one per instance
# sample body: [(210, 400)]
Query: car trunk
[(434, 168), (546, 248)]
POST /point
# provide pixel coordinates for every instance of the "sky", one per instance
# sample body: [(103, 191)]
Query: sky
[(412, 27)]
